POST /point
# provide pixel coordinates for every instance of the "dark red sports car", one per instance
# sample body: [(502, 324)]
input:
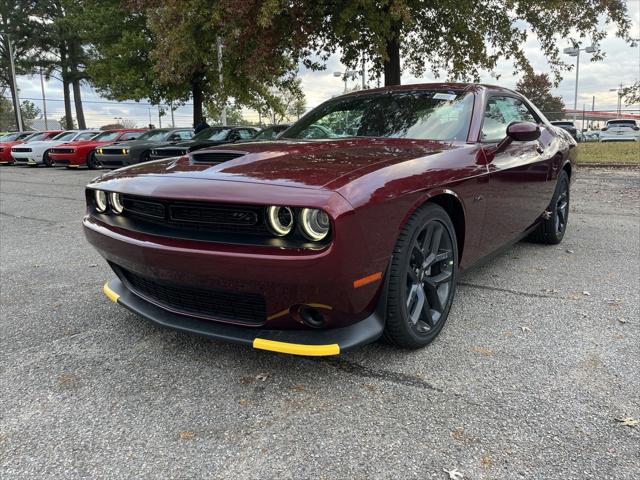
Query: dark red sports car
[(315, 246), (78, 154)]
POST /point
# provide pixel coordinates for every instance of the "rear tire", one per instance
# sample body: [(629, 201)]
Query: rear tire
[(422, 279), (551, 230)]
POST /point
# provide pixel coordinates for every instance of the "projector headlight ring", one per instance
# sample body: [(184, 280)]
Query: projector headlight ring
[(100, 198), (315, 224), (280, 220), (116, 202)]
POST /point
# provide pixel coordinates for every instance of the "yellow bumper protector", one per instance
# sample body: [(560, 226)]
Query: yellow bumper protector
[(296, 348), (111, 295)]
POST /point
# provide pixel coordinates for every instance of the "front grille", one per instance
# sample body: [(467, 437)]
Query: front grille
[(199, 216), (111, 151), (215, 157), (20, 149), (169, 152), (62, 150), (1, 149), (248, 308)]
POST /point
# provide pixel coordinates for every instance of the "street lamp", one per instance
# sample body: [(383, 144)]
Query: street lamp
[(347, 73), (619, 90), (575, 52)]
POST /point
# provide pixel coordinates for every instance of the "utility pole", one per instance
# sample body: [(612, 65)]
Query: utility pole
[(15, 85), (223, 114), (575, 52), (44, 102), (159, 117), (173, 122)]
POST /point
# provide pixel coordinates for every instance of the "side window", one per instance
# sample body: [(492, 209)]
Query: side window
[(130, 135), (245, 133), (499, 113), (185, 134)]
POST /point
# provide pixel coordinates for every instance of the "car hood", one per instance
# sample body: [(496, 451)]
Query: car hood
[(141, 144), (295, 163), (45, 143)]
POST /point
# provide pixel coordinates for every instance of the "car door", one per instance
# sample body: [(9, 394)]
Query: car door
[(519, 172)]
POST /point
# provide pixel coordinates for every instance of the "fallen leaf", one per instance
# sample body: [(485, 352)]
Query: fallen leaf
[(586, 294), (186, 435), (574, 296), (570, 251), (486, 461), (243, 402), (370, 387), (622, 320), (525, 329), (484, 351), (93, 265), (298, 388), (262, 377), (454, 474), (627, 421)]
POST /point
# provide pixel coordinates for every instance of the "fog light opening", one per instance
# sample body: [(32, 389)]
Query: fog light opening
[(311, 317)]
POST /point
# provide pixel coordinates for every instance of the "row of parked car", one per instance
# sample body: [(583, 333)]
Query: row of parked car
[(119, 147), (616, 130)]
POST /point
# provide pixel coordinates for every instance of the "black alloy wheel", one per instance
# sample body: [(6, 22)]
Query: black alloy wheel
[(554, 223), (92, 162), (47, 160), (423, 275)]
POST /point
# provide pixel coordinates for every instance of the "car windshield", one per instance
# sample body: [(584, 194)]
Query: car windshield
[(35, 137), (107, 136), (85, 136), (65, 136), (10, 137), (154, 135), (622, 123), (424, 114), (564, 124), (212, 133)]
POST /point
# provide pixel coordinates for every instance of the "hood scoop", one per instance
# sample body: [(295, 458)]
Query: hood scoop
[(214, 157)]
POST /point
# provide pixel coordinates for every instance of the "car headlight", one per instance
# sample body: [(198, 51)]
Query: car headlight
[(125, 151), (116, 202), (100, 151), (280, 220), (315, 223), (101, 201)]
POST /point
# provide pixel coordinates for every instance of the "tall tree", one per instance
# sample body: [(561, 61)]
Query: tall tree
[(537, 88), (631, 94), (454, 38), (18, 26)]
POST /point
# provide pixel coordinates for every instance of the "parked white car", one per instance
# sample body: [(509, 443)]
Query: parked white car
[(37, 153), (620, 130)]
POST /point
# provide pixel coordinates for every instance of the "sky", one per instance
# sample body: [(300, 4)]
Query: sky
[(621, 65)]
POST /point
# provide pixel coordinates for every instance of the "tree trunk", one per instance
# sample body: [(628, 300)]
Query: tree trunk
[(16, 111), (67, 103), (77, 100), (392, 65), (196, 90)]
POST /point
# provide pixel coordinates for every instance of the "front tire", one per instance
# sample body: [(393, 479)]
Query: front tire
[(422, 279), (47, 160), (92, 161), (551, 230)]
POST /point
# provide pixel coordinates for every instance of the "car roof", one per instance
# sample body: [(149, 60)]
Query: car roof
[(474, 87)]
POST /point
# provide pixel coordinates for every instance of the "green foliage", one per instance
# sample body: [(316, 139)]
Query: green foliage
[(68, 124), (537, 88), (29, 110), (7, 116), (631, 94)]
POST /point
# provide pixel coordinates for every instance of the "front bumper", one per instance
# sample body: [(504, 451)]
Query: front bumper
[(294, 342), (26, 158), (113, 161), (69, 160)]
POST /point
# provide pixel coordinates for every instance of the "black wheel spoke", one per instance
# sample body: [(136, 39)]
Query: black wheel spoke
[(436, 239)]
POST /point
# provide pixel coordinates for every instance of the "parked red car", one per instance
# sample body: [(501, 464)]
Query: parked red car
[(22, 137), (74, 155), (315, 246)]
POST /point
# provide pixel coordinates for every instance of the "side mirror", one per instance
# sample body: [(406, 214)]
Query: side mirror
[(523, 131)]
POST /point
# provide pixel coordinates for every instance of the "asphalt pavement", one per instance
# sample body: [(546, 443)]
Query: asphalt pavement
[(532, 376)]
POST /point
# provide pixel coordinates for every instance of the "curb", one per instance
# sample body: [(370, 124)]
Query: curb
[(632, 166)]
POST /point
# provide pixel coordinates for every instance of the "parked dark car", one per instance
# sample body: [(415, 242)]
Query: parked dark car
[(316, 246), (568, 126), (209, 137), (272, 132), (139, 150)]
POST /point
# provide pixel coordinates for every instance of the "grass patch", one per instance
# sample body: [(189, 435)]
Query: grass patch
[(609, 152)]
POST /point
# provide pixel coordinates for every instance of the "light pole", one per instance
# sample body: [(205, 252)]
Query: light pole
[(619, 90), (44, 102), (575, 52), (347, 73)]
